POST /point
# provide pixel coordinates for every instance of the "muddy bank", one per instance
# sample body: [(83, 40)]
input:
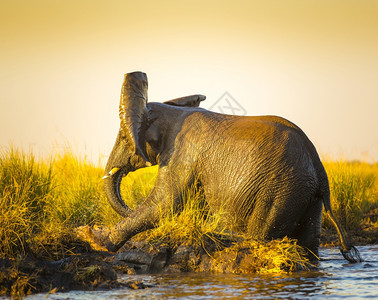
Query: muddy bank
[(96, 270), (93, 270), (88, 269)]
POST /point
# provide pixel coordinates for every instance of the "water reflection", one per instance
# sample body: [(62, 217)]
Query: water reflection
[(334, 279), (193, 286)]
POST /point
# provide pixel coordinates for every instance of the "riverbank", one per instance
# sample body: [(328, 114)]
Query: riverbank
[(87, 269), (333, 279), (43, 202)]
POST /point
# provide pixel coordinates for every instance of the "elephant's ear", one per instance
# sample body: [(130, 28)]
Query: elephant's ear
[(188, 101), (133, 111)]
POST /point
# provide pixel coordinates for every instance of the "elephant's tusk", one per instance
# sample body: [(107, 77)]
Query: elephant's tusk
[(112, 172)]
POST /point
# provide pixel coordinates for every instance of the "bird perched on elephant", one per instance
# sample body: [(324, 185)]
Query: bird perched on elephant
[(263, 169)]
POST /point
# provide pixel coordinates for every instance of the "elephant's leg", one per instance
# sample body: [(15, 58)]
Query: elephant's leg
[(143, 218), (277, 215), (308, 233), (164, 197), (296, 215)]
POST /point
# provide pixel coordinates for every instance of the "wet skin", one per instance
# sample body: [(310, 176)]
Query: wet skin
[(263, 171)]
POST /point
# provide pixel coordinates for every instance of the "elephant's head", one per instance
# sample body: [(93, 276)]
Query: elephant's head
[(131, 150)]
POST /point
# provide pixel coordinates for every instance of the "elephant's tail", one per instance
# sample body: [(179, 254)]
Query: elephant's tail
[(349, 252)]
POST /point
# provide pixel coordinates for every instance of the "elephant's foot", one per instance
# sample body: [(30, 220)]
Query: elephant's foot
[(98, 238)]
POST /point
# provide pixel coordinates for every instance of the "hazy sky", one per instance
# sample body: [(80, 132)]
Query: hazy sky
[(312, 62)]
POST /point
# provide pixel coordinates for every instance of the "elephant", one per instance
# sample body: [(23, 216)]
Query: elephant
[(263, 169)]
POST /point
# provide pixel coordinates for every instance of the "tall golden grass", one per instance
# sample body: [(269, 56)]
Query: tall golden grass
[(42, 201), (354, 192), (192, 225)]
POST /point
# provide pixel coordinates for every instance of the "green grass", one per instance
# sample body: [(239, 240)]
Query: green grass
[(42, 201)]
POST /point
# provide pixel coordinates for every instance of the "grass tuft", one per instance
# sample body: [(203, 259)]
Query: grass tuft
[(78, 192), (42, 202), (250, 256), (354, 192), (25, 191), (193, 225)]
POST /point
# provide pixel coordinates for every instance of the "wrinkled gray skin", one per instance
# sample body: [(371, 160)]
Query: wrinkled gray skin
[(263, 170)]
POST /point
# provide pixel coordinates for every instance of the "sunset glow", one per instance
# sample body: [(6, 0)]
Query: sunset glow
[(312, 62)]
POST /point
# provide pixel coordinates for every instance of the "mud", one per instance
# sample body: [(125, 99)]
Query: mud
[(88, 269)]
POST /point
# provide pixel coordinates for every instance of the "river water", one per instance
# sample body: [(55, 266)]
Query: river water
[(335, 279)]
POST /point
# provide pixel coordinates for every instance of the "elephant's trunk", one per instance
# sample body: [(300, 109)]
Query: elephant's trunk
[(133, 111), (129, 152), (112, 186), (121, 161)]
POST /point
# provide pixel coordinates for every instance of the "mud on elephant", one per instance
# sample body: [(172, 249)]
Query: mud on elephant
[(263, 169)]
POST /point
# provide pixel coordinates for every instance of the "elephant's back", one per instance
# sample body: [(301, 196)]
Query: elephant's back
[(261, 126), (253, 140), (259, 157)]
